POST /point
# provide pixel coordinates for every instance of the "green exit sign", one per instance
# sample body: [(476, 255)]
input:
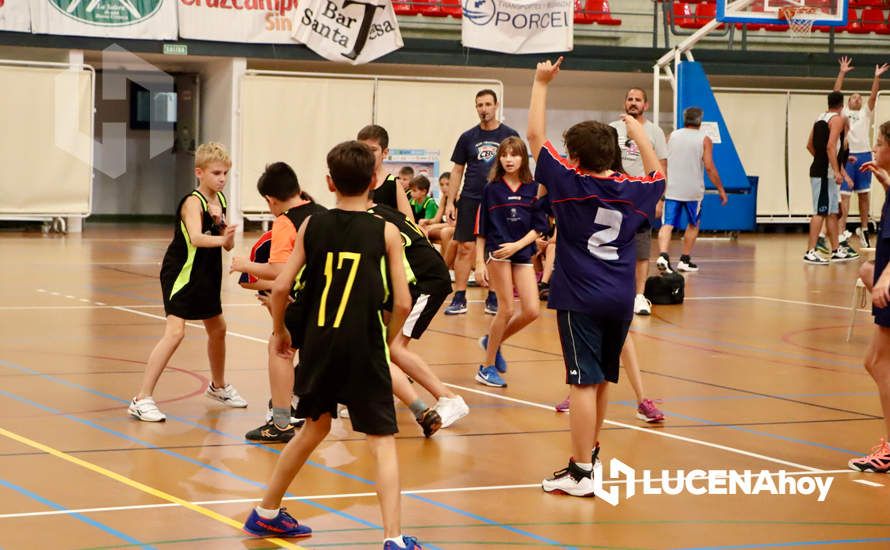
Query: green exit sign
[(176, 49)]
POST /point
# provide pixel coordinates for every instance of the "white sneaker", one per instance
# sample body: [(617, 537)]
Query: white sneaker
[(812, 258), (145, 410), (642, 306), (451, 409), (571, 480), (342, 411), (663, 264), (228, 395), (845, 235)]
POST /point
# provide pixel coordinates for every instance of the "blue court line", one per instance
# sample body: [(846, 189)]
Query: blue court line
[(89, 521), (761, 433), (335, 471), (786, 544), (174, 454)]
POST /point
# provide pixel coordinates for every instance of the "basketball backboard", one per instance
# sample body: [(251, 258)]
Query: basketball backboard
[(769, 12)]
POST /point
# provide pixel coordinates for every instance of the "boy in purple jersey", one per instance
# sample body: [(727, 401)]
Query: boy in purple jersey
[(597, 212)]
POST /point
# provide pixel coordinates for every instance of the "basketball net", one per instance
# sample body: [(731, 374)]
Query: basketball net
[(800, 19)]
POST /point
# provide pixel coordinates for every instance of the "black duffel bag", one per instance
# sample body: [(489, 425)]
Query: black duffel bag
[(665, 289)]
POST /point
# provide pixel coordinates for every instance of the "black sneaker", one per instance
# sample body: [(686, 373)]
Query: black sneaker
[(430, 421), (544, 291), (685, 264), (270, 433)]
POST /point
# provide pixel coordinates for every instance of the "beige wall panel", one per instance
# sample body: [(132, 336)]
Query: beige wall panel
[(297, 120), (46, 151)]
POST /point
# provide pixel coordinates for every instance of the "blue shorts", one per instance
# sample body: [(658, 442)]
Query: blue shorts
[(861, 180), (825, 195), (591, 347), (680, 213)]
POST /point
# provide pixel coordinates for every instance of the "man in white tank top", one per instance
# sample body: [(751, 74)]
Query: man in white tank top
[(690, 155), (635, 104), (860, 119)]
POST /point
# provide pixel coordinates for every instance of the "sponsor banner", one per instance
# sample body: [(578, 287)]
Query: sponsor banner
[(262, 21), (518, 26), (15, 15), (146, 19), (348, 31)]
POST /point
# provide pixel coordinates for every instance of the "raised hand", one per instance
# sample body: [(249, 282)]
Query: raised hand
[(846, 64), (882, 175), (881, 69), (547, 70)]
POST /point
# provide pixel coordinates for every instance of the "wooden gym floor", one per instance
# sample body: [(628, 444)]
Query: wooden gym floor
[(753, 370)]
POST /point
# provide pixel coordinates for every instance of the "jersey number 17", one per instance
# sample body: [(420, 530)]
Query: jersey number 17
[(354, 258)]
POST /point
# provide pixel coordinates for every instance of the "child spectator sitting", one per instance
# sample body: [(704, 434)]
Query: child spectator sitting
[(422, 204)]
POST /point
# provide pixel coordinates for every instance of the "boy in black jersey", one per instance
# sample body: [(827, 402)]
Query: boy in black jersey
[(350, 260), (388, 190), (191, 277), (280, 187), (430, 284)]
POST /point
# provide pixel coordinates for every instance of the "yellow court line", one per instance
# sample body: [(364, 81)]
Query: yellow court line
[(137, 485)]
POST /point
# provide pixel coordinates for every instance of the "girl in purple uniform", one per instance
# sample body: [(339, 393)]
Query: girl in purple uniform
[(507, 224)]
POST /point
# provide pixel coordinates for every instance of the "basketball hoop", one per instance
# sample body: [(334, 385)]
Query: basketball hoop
[(800, 19)]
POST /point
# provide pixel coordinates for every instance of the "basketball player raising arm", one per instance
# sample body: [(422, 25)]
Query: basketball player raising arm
[(537, 118)]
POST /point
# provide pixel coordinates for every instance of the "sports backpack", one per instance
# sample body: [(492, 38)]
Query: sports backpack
[(665, 289)]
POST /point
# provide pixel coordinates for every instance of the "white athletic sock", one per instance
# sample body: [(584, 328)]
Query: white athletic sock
[(586, 466), (398, 541), (267, 514)]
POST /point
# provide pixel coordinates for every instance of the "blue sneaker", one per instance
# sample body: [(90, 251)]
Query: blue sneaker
[(410, 544), (491, 304), (458, 304), (499, 362), (283, 525), (490, 377)]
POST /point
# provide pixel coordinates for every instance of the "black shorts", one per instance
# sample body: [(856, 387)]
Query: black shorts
[(643, 243), (591, 347), (295, 323), (424, 308), (882, 258), (367, 417), (465, 225)]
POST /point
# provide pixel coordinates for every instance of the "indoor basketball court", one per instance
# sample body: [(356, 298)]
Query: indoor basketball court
[(759, 372)]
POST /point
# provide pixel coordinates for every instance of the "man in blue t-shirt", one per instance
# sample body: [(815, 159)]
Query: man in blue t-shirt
[(597, 212), (473, 156)]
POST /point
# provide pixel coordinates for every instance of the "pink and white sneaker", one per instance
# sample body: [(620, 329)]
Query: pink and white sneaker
[(649, 412)]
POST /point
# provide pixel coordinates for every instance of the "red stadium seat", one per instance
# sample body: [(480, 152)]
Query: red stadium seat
[(874, 20), (601, 12), (683, 16), (406, 8), (431, 8), (581, 16), (452, 8)]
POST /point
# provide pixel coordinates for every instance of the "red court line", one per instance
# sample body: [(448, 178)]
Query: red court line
[(787, 339)]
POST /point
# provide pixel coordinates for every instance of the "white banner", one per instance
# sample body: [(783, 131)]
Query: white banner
[(146, 19), (518, 26), (15, 15), (348, 31), (263, 21)]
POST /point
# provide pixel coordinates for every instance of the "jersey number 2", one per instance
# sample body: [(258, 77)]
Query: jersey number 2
[(354, 257), (596, 244)]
